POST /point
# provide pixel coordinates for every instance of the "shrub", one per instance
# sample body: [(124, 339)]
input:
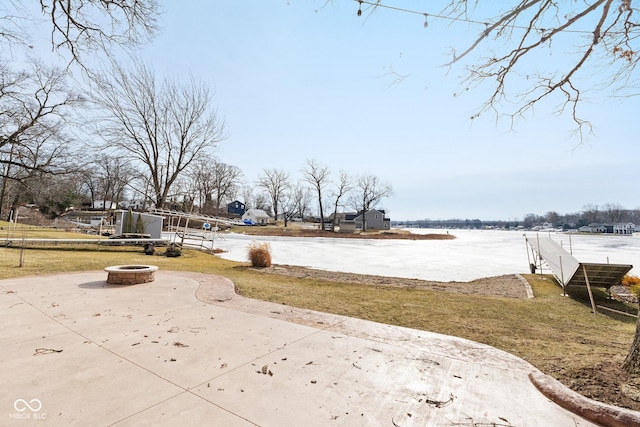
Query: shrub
[(632, 282), (260, 254), (149, 249), (629, 280), (174, 250)]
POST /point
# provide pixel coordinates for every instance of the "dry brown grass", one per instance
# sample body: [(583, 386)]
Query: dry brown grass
[(259, 254)]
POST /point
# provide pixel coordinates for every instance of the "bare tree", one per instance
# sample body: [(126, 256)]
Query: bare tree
[(225, 179), (294, 202), (553, 218), (247, 197), (261, 201), (634, 215), (341, 188), (106, 180), (84, 26), (368, 192), (591, 213), (33, 102), (304, 202), (317, 176), (530, 220), (163, 126), (275, 183), (200, 175), (234, 191), (35, 110), (215, 181), (597, 40), (54, 194), (614, 213)]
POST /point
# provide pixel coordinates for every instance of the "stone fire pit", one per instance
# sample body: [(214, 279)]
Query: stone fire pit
[(130, 274)]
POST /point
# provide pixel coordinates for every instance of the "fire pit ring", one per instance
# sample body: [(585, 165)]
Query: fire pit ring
[(130, 274)]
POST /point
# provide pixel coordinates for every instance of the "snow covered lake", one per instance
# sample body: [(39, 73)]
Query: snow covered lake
[(473, 254)]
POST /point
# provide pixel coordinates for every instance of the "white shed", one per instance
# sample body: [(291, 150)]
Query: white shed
[(139, 223), (256, 216)]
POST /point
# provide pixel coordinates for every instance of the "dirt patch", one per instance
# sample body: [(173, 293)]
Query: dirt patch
[(508, 285), (605, 382)]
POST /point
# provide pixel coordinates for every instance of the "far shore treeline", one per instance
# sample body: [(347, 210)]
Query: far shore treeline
[(609, 213)]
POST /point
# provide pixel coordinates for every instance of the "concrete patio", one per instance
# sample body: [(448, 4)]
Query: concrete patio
[(186, 350)]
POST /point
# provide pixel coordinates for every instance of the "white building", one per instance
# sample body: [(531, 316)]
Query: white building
[(256, 216)]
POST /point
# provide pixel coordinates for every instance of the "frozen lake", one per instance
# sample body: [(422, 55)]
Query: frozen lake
[(473, 254)]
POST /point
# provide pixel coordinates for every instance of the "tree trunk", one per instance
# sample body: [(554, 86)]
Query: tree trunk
[(631, 363), (3, 190), (321, 212), (15, 204)]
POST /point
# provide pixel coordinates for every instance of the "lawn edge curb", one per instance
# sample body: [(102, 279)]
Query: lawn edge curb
[(592, 410)]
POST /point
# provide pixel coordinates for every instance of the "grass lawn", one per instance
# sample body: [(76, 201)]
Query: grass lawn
[(557, 334)]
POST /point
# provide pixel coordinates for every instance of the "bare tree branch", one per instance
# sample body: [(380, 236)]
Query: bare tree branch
[(533, 24), (80, 27), (99, 24), (597, 40)]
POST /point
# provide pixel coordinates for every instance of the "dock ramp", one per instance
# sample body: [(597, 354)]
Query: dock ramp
[(569, 271)]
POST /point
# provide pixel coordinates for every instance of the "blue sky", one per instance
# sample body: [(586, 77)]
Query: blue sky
[(298, 80)]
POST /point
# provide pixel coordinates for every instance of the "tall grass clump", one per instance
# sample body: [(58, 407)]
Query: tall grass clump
[(260, 254)]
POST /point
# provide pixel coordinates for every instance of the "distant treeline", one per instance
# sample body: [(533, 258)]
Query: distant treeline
[(455, 223), (609, 213)]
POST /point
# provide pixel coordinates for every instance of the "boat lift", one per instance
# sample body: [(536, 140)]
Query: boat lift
[(171, 214), (209, 231), (568, 271)]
